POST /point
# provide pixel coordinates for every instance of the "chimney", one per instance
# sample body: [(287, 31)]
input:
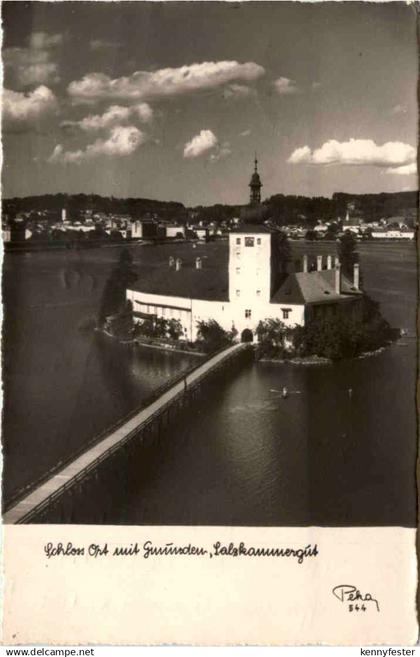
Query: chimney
[(171, 261), (305, 263), (319, 263), (198, 263), (356, 276), (329, 262), (178, 264), (337, 277)]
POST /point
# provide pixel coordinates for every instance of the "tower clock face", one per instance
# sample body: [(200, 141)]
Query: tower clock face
[(249, 241)]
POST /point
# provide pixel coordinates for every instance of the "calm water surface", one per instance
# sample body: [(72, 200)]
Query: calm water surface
[(241, 455)]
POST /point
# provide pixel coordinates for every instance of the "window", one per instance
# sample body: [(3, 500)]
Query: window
[(247, 314), (249, 241), (238, 270), (238, 293), (238, 240), (286, 312), (258, 240), (258, 293), (238, 254)]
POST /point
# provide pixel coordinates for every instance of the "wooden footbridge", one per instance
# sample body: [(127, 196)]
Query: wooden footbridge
[(48, 491)]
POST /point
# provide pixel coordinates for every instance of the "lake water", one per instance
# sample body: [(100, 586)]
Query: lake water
[(241, 455)]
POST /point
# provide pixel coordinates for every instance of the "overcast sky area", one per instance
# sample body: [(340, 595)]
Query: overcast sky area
[(170, 101)]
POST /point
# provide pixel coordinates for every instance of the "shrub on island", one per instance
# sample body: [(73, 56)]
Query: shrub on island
[(121, 324), (212, 337), (334, 337), (159, 328)]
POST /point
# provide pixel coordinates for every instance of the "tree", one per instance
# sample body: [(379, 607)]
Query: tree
[(175, 329), (331, 233), (283, 253), (153, 327), (121, 325), (343, 335), (114, 294), (271, 334), (347, 252), (281, 256), (212, 336)]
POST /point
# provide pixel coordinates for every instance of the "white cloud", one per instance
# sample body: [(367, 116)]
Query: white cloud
[(143, 111), (163, 82), (34, 65), (204, 142), (405, 170), (123, 141), (103, 44), (301, 155), (114, 115), (285, 86), (245, 133), (24, 111), (221, 153), (30, 66), (239, 91), (59, 155), (39, 74), (393, 154), (43, 40), (200, 144)]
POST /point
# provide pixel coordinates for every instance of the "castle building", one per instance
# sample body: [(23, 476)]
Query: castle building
[(244, 285)]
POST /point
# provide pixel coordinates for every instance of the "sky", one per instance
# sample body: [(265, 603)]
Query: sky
[(170, 101)]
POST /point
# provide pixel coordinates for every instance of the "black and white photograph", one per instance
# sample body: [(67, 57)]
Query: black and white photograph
[(209, 275), (209, 218)]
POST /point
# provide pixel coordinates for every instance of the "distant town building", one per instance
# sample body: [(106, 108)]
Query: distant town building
[(174, 231), (7, 233), (16, 231), (393, 233), (352, 224), (320, 229), (143, 229)]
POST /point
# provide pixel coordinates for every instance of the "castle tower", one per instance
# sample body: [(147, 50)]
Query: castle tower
[(250, 255), (250, 278), (255, 185)]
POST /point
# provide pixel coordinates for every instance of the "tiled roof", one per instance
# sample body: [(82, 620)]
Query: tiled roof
[(249, 229), (313, 287), (209, 283)]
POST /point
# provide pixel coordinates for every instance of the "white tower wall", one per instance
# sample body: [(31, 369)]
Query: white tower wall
[(249, 268)]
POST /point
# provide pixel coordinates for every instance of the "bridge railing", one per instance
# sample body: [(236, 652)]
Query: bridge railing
[(97, 438)]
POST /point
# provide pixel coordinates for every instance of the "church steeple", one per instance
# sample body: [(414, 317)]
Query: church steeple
[(255, 185)]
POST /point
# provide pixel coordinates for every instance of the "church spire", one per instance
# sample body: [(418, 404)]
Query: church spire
[(255, 185)]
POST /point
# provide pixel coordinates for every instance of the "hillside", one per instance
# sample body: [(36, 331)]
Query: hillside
[(75, 203), (371, 207), (283, 209)]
